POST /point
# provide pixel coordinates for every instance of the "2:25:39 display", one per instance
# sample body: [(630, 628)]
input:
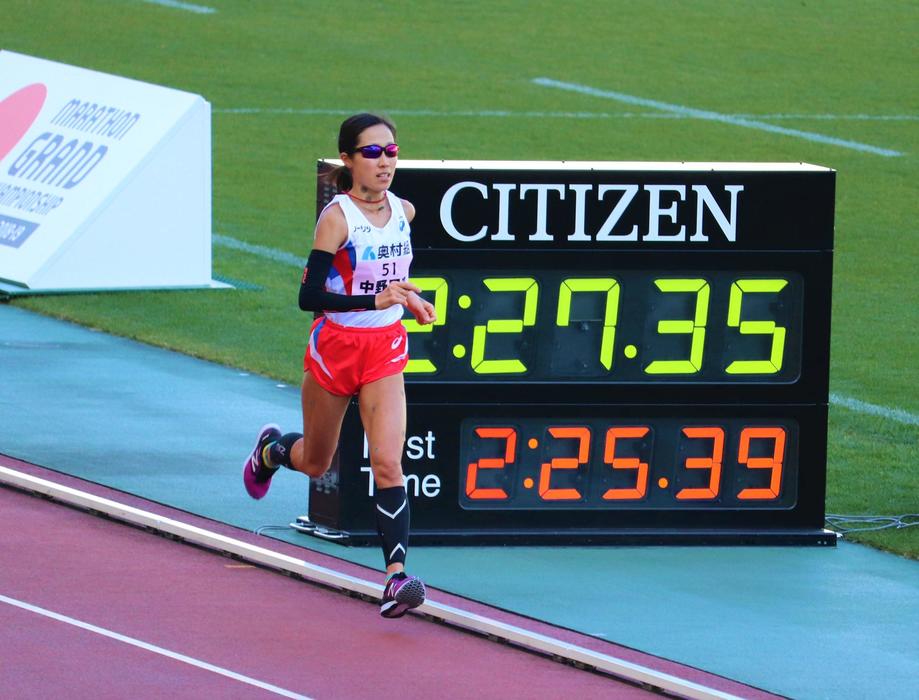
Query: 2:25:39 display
[(661, 463)]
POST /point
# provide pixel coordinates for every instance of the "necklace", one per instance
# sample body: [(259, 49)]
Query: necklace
[(366, 201)]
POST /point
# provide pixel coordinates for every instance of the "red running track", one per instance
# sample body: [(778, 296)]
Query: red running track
[(257, 623)]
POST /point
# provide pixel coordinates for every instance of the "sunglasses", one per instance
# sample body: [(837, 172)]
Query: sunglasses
[(373, 151)]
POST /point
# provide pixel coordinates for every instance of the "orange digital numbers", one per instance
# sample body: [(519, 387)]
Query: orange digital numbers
[(775, 462), (473, 491), (648, 464), (609, 457), (712, 463), (546, 492)]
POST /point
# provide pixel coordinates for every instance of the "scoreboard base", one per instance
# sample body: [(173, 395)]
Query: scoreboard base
[(769, 538)]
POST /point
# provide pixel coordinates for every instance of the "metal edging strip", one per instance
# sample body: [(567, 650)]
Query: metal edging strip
[(453, 616)]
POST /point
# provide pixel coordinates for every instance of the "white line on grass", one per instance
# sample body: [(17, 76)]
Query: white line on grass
[(321, 111), (281, 256), (712, 116), (895, 414), (151, 647), (273, 254), (188, 7), (835, 117), (504, 113)]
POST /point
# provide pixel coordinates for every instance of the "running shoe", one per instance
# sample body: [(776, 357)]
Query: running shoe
[(257, 476), (402, 593)]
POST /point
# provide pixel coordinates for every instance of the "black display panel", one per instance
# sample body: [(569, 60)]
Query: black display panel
[(623, 353), (767, 487)]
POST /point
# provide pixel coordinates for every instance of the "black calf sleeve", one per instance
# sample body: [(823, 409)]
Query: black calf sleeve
[(392, 522), (279, 452)]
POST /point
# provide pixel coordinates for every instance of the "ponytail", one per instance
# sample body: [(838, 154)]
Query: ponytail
[(337, 177)]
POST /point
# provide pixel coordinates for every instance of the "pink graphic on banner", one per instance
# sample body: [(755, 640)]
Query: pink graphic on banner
[(17, 113)]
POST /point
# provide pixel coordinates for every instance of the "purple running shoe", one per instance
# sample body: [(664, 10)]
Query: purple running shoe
[(256, 476), (402, 593)]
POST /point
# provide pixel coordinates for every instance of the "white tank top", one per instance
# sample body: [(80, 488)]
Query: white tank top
[(370, 258)]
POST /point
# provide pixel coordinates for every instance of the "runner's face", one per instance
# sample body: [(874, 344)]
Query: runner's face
[(371, 174)]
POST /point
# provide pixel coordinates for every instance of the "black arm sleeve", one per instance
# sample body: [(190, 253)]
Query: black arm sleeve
[(314, 297)]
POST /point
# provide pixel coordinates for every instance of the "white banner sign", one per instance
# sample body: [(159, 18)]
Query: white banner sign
[(105, 182)]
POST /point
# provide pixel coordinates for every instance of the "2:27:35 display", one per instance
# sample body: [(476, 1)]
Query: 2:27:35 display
[(628, 326)]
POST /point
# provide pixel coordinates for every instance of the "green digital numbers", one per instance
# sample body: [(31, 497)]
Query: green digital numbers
[(694, 327), (735, 305), (619, 326), (439, 286), (611, 313), (530, 288)]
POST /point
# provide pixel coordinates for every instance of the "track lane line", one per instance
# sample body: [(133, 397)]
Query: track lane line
[(152, 647), (615, 667)]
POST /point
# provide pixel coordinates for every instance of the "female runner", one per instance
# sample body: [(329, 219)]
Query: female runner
[(357, 276)]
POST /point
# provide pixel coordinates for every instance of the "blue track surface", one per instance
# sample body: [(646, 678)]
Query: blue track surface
[(803, 622)]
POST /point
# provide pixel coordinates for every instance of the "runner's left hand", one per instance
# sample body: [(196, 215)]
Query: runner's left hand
[(422, 310)]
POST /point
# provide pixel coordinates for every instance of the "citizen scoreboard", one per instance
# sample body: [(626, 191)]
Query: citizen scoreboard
[(627, 353)]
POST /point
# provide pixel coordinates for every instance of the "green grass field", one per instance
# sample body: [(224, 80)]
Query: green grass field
[(845, 69)]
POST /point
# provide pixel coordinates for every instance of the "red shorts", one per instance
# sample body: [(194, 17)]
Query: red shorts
[(342, 359)]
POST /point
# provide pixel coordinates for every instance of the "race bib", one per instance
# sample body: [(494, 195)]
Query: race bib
[(372, 276)]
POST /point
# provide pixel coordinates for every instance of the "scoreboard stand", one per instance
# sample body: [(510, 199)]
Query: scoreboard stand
[(625, 353)]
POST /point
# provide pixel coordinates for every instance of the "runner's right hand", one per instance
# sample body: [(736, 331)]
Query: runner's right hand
[(395, 293)]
